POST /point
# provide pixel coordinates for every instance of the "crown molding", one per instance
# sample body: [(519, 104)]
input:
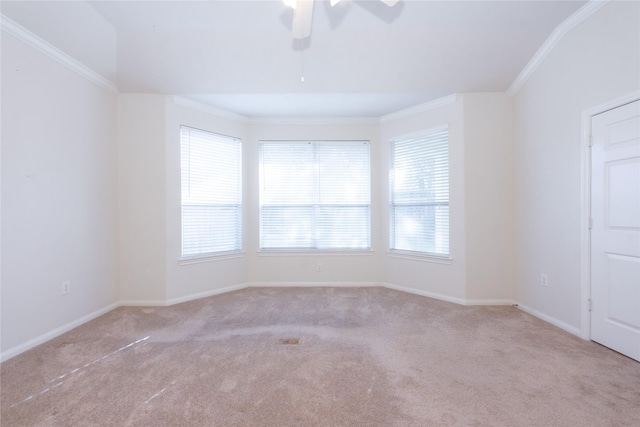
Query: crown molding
[(205, 108), (278, 121), (420, 108), (19, 32), (313, 121), (561, 30)]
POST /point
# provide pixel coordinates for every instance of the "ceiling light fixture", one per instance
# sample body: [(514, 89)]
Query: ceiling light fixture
[(303, 13), (290, 3)]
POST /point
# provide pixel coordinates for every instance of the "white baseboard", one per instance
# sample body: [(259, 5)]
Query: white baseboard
[(162, 303), (178, 300), (428, 294), (312, 284), (555, 322), (489, 302), (142, 303), (8, 354), (460, 301), (199, 295)]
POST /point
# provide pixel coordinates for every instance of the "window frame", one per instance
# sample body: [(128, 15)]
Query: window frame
[(239, 207), (436, 257), (302, 251)]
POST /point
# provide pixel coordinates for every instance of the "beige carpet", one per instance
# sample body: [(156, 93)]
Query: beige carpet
[(364, 357)]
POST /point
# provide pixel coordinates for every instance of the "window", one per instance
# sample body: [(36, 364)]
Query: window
[(315, 195), (211, 175), (419, 187)]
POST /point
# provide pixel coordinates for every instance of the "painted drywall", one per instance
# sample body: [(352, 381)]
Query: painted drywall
[(269, 268), (141, 198), (58, 197), (445, 281), (131, 194), (151, 271), (488, 183), (214, 274), (596, 62), (63, 24)]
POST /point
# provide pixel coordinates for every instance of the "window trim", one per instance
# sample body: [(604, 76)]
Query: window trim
[(309, 251), (409, 254), (314, 252), (211, 257), (217, 255), (420, 256)]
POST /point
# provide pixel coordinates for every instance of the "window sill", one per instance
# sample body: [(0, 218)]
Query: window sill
[(308, 252), (414, 256), (210, 258)]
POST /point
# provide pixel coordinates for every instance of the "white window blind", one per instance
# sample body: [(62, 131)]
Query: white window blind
[(419, 196), (315, 195), (211, 175)]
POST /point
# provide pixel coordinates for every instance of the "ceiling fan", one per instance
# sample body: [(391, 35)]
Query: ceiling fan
[(303, 12)]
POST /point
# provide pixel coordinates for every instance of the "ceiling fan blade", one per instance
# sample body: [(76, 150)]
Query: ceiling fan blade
[(302, 16), (390, 3)]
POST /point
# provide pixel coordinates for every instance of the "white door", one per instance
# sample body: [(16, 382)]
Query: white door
[(615, 233)]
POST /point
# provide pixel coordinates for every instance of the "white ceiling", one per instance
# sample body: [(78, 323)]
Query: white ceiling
[(362, 59)]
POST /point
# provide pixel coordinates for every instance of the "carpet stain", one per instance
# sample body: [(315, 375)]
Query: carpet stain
[(62, 344), (290, 341), (228, 385)]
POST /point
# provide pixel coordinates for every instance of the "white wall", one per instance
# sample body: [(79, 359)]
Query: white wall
[(359, 268), (596, 62), (58, 197), (481, 199), (150, 179), (149, 205), (488, 186), (90, 189), (149, 250), (141, 198), (216, 274), (445, 281), (65, 23)]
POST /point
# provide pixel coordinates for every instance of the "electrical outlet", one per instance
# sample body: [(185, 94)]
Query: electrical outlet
[(66, 287), (319, 267), (544, 280)]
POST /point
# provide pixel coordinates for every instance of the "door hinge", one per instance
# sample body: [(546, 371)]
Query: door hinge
[(590, 304), (590, 139), (590, 223)]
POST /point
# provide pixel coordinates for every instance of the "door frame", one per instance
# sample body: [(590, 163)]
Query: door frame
[(585, 209)]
